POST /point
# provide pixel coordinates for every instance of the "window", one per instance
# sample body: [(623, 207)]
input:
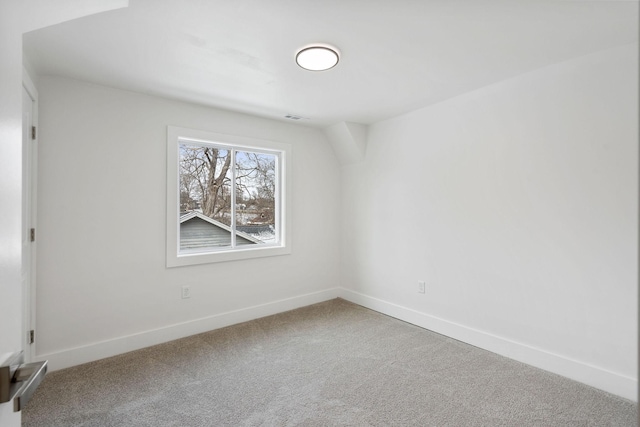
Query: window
[(226, 197)]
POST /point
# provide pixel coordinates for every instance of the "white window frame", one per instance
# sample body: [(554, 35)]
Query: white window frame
[(176, 136)]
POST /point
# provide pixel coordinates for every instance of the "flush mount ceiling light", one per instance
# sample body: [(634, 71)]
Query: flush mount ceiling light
[(317, 58)]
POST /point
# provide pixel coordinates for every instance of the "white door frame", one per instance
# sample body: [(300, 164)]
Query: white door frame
[(29, 187)]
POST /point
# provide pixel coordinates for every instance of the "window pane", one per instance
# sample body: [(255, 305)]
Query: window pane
[(205, 197), (255, 198)]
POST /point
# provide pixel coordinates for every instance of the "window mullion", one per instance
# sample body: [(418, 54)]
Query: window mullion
[(278, 199), (233, 198)]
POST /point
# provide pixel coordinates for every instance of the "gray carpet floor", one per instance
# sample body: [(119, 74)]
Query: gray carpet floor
[(333, 363)]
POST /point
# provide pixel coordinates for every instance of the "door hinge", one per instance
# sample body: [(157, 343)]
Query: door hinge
[(32, 336), (33, 132), (33, 234)]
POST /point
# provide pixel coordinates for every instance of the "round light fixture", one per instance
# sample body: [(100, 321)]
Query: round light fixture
[(317, 58)]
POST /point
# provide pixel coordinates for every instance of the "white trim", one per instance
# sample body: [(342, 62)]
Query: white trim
[(29, 295), (99, 350), (234, 241), (283, 247), (612, 382), (602, 379)]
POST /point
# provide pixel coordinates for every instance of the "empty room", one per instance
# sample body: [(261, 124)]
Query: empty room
[(283, 213)]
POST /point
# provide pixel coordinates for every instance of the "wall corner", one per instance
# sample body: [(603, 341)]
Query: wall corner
[(348, 140)]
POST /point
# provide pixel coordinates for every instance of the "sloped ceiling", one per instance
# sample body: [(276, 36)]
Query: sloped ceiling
[(396, 55)]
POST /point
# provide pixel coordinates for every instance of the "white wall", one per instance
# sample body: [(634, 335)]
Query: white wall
[(517, 204), (103, 287)]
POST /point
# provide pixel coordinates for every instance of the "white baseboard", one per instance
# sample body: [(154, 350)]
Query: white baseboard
[(100, 350), (602, 379)]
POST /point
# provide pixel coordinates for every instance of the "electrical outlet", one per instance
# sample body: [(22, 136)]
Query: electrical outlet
[(421, 286), (186, 292)]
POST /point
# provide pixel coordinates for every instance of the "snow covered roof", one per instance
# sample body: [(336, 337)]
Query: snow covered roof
[(199, 231)]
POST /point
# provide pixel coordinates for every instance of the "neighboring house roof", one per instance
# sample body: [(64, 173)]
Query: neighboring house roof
[(200, 231)]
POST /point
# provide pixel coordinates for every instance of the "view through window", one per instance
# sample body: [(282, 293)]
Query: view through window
[(228, 197)]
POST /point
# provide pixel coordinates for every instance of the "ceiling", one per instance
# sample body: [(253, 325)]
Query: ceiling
[(396, 56)]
